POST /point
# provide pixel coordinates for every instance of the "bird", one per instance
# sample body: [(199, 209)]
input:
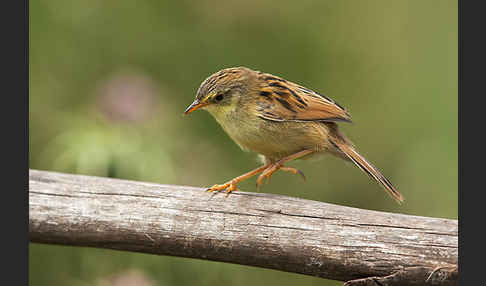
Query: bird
[(279, 120)]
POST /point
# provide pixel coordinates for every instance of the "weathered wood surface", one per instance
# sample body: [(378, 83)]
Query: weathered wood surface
[(257, 229)]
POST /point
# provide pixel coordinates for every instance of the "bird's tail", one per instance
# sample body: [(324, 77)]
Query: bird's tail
[(367, 167)]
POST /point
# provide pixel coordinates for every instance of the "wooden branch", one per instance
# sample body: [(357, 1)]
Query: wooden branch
[(256, 229)]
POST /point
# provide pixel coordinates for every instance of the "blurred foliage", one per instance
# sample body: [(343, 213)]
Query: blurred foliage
[(109, 81)]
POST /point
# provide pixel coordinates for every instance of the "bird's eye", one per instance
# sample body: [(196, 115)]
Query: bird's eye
[(219, 97)]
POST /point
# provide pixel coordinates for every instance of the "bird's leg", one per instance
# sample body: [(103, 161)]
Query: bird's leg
[(273, 167), (232, 184)]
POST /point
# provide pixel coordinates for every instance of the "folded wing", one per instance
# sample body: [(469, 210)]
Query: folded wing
[(281, 100)]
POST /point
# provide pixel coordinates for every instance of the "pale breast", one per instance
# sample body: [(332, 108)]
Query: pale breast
[(274, 140)]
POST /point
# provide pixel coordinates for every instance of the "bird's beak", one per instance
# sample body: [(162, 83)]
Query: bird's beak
[(194, 106)]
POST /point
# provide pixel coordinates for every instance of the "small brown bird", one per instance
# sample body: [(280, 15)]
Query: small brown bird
[(280, 120)]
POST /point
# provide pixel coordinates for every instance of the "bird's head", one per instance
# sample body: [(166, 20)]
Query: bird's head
[(222, 91)]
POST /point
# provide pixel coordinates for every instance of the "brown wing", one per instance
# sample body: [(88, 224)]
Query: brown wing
[(281, 100)]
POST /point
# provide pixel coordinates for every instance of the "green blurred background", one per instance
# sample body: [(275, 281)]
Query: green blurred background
[(109, 81)]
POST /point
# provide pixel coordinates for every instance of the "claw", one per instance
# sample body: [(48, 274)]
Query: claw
[(210, 189), (302, 175), (261, 179), (294, 171), (229, 187)]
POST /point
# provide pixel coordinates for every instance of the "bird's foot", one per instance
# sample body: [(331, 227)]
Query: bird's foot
[(228, 186), (267, 173)]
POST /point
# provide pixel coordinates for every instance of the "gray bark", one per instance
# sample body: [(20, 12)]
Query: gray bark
[(360, 246)]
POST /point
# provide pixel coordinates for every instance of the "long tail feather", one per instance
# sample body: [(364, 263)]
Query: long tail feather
[(368, 168)]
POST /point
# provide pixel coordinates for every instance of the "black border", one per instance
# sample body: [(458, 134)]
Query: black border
[(14, 21), (471, 146), (25, 194)]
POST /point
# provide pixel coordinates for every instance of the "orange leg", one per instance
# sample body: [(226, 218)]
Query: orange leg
[(231, 185), (273, 167)]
